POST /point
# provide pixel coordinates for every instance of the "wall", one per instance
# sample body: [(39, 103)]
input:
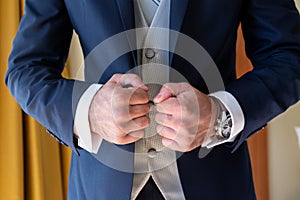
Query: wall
[(284, 154), (76, 59)]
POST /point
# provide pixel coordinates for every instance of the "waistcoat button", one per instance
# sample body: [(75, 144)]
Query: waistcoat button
[(150, 53), (152, 153)]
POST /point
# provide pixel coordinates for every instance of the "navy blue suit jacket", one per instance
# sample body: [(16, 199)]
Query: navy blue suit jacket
[(272, 34)]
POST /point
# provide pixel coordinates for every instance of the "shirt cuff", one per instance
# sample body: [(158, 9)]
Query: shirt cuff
[(86, 139), (236, 112)]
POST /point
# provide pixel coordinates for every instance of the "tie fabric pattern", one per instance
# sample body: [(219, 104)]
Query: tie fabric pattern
[(149, 8)]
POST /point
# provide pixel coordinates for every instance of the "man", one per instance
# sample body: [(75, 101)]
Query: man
[(112, 122)]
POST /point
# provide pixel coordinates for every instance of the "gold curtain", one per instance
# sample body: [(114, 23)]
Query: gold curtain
[(33, 165)]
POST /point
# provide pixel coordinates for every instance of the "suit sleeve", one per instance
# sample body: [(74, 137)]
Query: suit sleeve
[(271, 31), (36, 62)]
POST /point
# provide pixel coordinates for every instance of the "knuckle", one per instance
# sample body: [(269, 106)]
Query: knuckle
[(123, 126), (139, 111), (148, 108), (115, 76), (171, 119), (144, 121), (145, 109), (145, 95), (119, 140), (141, 94), (137, 134)]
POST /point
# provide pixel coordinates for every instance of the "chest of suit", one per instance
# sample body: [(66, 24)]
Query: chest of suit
[(211, 23)]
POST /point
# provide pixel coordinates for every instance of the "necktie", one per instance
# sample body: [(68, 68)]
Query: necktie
[(149, 8)]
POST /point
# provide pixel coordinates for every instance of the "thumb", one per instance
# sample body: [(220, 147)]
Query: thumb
[(169, 90)]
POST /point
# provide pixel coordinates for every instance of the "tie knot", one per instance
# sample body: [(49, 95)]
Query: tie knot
[(149, 8), (156, 2)]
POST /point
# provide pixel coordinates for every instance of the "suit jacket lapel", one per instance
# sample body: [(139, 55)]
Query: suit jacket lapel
[(126, 13), (178, 9), (126, 10)]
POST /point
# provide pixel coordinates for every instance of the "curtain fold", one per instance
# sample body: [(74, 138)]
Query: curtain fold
[(11, 139), (33, 165)]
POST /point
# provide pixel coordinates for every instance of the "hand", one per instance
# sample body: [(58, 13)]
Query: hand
[(184, 116), (118, 113)]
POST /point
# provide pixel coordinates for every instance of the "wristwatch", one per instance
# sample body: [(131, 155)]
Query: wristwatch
[(223, 124)]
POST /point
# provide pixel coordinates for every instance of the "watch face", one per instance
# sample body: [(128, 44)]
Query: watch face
[(226, 127)]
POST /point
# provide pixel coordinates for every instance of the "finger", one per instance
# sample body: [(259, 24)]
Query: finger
[(163, 94), (115, 78), (142, 122), (169, 90), (138, 96), (135, 135), (166, 120), (169, 106), (135, 124), (166, 132), (139, 110), (171, 144), (132, 80), (174, 145), (129, 138)]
